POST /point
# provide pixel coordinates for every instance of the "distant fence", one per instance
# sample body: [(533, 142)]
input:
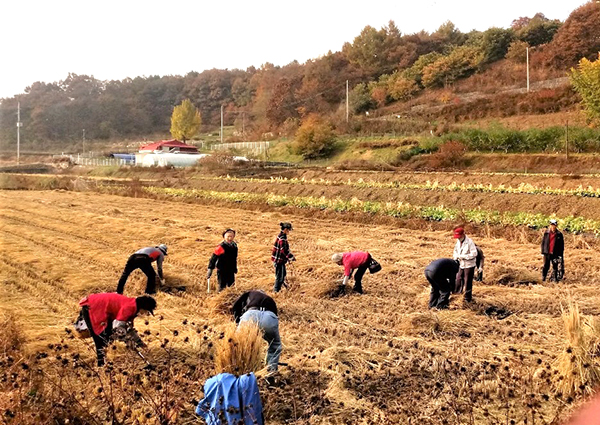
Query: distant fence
[(255, 147), (94, 162)]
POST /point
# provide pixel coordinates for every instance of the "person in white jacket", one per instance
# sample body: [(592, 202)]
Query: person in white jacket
[(465, 252)]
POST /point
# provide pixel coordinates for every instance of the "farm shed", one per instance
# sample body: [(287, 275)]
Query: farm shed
[(169, 146)]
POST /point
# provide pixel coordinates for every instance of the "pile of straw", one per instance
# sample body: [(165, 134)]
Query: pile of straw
[(432, 324), (329, 289), (505, 275), (222, 302)]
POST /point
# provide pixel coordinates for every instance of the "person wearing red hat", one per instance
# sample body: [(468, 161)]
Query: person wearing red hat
[(465, 252)]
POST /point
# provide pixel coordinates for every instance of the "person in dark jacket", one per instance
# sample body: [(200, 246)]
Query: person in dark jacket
[(143, 259), (479, 263), (441, 274), (553, 247), (108, 313), (224, 258), (258, 307), (280, 255)]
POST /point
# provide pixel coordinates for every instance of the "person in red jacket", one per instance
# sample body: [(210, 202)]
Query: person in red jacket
[(106, 311), (355, 260)]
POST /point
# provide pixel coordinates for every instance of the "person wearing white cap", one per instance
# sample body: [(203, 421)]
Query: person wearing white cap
[(553, 247)]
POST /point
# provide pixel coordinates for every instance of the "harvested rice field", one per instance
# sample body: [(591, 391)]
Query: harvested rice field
[(377, 358)]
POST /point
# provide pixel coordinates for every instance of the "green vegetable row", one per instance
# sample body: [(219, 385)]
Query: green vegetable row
[(526, 188), (394, 209)]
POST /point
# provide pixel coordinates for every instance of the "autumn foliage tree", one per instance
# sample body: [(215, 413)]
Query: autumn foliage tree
[(376, 52), (283, 103), (586, 80), (185, 121), (402, 88), (360, 99), (537, 30), (461, 62), (517, 51), (579, 36), (314, 139)]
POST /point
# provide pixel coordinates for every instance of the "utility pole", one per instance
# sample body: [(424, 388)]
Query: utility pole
[(221, 124), (527, 69), (347, 97), (19, 125), (567, 139), (83, 143)]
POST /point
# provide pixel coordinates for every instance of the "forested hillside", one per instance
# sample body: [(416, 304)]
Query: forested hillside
[(383, 67)]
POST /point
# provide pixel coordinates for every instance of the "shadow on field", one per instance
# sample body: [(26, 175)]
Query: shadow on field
[(489, 310)]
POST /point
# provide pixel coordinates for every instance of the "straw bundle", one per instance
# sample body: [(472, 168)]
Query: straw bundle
[(576, 364), (11, 337), (240, 350)]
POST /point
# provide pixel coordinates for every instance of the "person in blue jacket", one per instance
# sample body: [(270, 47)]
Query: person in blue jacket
[(230, 399)]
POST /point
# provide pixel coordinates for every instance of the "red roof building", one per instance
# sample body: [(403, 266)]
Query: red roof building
[(169, 146)]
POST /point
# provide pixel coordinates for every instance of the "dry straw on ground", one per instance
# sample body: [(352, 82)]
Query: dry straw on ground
[(11, 337), (391, 360), (437, 323)]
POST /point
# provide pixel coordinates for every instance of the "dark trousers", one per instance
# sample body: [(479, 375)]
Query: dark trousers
[(440, 291), (358, 275), (225, 278), (100, 341), (280, 273), (464, 282), (142, 262), (558, 267)]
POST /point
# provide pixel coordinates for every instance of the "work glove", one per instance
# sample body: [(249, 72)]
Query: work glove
[(209, 273), (119, 332)]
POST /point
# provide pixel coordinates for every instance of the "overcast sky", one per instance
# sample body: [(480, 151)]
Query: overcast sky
[(44, 40)]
